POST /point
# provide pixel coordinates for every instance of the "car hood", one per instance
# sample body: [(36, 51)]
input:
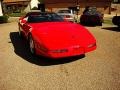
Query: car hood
[(56, 35)]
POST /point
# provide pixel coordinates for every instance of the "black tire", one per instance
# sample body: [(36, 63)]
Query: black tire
[(31, 45), (116, 20), (119, 26)]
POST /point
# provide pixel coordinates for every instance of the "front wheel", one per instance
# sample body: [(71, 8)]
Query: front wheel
[(31, 45), (20, 33)]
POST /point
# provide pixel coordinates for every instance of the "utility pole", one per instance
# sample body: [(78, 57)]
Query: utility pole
[(78, 8)]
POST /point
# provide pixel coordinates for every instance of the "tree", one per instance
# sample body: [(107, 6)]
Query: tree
[(1, 13)]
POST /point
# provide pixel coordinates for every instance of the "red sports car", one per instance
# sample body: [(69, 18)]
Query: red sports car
[(51, 36)]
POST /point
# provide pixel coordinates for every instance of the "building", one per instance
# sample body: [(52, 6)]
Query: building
[(115, 7), (103, 6), (19, 5), (116, 1), (14, 5)]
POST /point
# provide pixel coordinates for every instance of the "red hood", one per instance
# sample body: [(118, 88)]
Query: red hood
[(56, 35)]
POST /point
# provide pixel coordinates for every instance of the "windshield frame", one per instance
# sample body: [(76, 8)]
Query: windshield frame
[(44, 17)]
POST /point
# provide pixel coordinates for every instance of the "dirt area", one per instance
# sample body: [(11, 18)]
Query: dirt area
[(97, 70)]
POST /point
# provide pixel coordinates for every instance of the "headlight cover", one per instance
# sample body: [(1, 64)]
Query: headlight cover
[(91, 45)]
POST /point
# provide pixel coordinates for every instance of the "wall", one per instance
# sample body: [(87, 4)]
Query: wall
[(102, 5), (116, 8)]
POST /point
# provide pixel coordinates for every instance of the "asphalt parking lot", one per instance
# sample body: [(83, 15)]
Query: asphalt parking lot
[(97, 70)]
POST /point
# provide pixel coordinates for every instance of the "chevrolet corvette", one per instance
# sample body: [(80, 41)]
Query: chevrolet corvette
[(49, 35)]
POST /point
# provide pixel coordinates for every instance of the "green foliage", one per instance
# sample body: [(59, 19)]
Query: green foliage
[(108, 21), (16, 14), (3, 19)]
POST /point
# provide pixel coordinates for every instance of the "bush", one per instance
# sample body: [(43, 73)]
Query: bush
[(3, 19), (16, 14)]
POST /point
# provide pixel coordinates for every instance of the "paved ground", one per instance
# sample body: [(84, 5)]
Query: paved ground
[(98, 70)]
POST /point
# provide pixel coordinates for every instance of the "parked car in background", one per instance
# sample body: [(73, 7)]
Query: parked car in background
[(116, 20), (67, 15), (91, 16), (49, 35)]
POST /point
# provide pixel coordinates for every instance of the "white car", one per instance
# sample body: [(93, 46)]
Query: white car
[(67, 15)]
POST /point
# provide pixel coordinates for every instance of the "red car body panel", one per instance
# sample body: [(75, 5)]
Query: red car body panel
[(59, 39)]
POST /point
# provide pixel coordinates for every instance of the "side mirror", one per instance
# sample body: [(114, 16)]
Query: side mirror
[(23, 21)]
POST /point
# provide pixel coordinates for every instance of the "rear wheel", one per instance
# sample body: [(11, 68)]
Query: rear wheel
[(31, 45), (119, 26)]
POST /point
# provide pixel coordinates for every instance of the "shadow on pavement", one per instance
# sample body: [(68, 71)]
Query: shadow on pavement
[(88, 25), (22, 50), (116, 29)]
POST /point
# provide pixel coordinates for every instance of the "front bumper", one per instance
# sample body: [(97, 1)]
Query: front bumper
[(71, 52)]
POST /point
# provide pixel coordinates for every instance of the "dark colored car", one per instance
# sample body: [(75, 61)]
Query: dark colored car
[(91, 17), (116, 20)]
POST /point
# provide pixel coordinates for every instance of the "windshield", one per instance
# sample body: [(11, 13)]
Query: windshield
[(45, 17), (92, 11)]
